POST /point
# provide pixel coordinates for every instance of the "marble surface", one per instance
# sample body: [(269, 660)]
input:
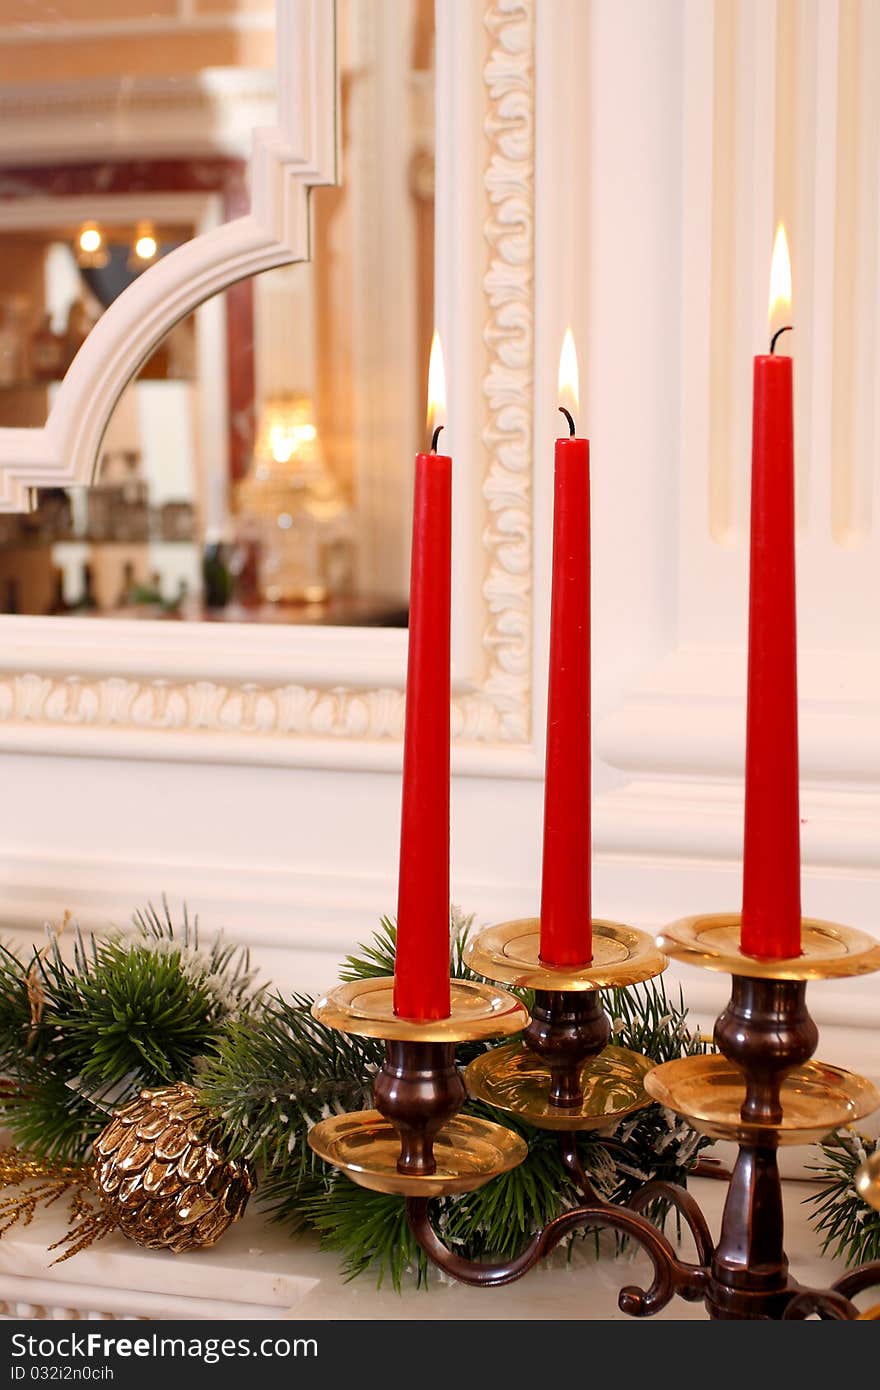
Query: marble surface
[(258, 1272)]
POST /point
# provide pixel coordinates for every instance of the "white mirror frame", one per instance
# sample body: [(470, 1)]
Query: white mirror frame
[(322, 696)]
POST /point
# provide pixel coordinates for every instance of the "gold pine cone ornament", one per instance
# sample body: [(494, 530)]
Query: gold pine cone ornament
[(162, 1174)]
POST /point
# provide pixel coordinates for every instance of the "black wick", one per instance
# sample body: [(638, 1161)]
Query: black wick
[(567, 414), (434, 437), (777, 334)]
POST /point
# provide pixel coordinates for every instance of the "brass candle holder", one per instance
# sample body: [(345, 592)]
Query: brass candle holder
[(415, 1143), (761, 1090), (563, 1074)]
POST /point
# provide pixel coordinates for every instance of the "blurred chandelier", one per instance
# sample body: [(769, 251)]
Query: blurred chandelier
[(290, 504)]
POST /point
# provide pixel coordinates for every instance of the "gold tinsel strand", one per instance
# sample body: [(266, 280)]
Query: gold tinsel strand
[(43, 1182)]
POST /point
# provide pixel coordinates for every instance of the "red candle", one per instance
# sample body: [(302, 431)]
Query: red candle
[(771, 913), (566, 925), (421, 972)]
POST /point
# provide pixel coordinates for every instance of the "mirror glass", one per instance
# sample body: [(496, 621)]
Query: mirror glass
[(124, 130), (258, 469)]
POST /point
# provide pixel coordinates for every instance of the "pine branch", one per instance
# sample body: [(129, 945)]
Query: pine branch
[(15, 1011), (849, 1228), (369, 1230), (271, 1078), (159, 1007), (644, 1019), (375, 959), (45, 1117), (125, 1013)]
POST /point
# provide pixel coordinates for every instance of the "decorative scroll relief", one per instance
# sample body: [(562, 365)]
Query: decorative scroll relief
[(507, 385), (209, 707)]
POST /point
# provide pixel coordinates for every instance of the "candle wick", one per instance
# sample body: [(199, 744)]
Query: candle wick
[(778, 334), (434, 437), (567, 414)]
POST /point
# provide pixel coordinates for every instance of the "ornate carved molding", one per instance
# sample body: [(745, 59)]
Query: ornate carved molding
[(204, 706), (201, 706), (507, 385)]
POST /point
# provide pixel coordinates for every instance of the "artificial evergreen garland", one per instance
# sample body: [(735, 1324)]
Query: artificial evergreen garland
[(79, 1039)]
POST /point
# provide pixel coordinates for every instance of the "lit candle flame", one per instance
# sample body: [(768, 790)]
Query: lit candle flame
[(569, 390), (436, 386), (780, 281)]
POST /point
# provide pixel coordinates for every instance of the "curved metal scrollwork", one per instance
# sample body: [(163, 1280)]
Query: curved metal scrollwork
[(687, 1208), (824, 1303), (671, 1275)]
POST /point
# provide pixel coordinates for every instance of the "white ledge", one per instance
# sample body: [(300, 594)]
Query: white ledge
[(258, 1272)]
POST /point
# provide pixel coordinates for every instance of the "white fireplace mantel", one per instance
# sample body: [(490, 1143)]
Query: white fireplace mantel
[(257, 1272)]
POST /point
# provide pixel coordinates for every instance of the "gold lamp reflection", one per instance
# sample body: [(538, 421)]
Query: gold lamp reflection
[(144, 248), (91, 247), (290, 505)]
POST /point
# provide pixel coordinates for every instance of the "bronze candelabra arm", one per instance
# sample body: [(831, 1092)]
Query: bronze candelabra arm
[(686, 1207), (836, 1303), (858, 1280), (671, 1275), (682, 1201)]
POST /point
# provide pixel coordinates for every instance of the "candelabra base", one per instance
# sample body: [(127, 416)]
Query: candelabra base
[(745, 1277)]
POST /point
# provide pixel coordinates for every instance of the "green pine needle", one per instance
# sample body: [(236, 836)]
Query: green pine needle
[(15, 1012), (849, 1228), (375, 960), (273, 1076), (126, 1012), (369, 1230)]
